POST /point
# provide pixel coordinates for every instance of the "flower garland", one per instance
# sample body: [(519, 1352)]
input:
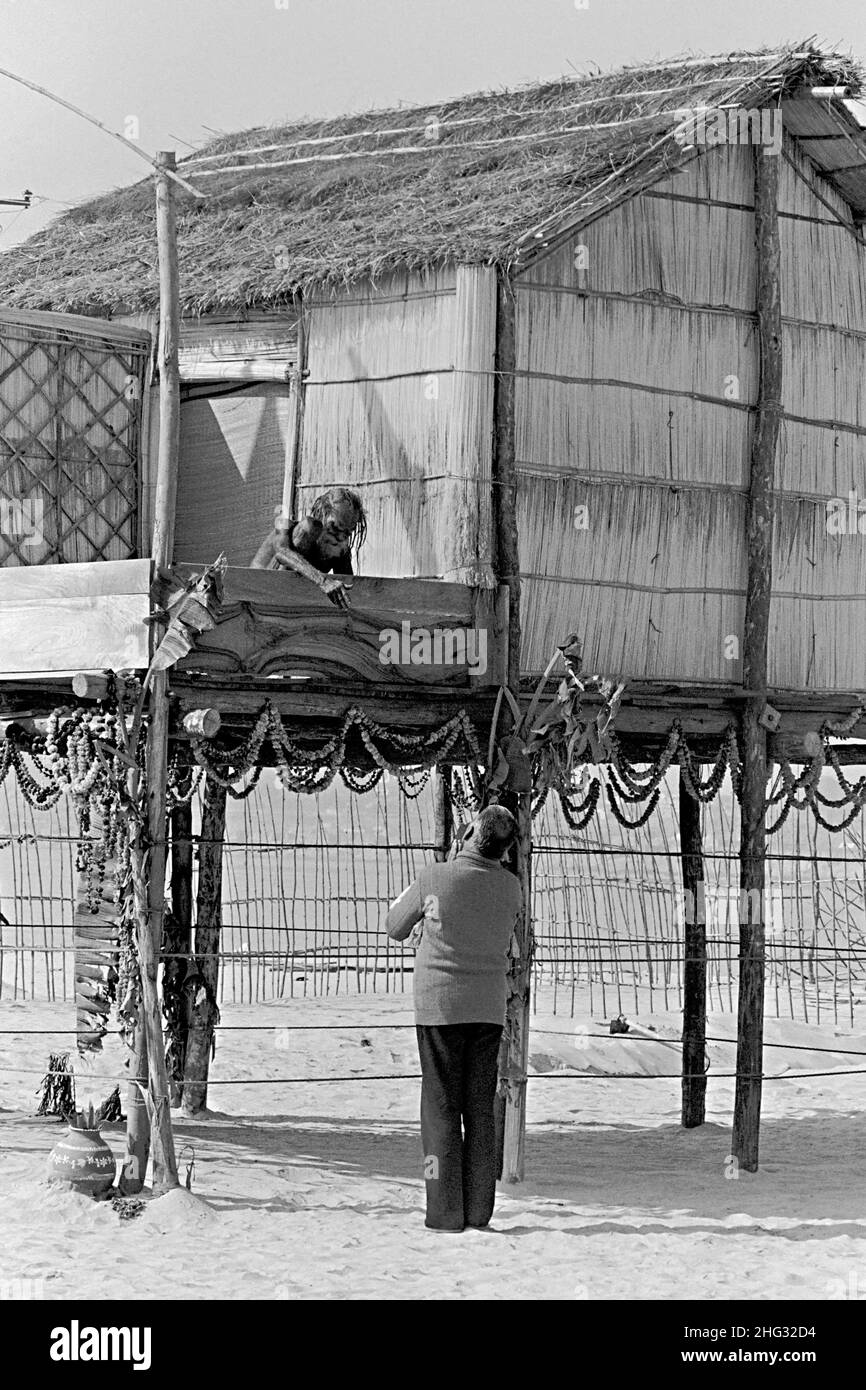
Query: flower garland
[(789, 785), (304, 769)]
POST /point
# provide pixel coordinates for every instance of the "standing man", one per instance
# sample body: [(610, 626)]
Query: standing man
[(468, 910)]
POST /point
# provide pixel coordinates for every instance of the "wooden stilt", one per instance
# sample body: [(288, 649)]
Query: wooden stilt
[(516, 1036), (514, 1055), (181, 911), (750, 1012), (695, 972), (204, 1012), (443, 818)]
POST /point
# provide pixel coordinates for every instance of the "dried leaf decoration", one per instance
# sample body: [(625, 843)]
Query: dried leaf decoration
[(189, 610)]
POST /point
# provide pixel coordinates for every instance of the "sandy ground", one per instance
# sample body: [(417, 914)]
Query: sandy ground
[(314, 1190)]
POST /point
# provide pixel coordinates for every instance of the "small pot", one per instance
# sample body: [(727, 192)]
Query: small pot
[(83, 1161)]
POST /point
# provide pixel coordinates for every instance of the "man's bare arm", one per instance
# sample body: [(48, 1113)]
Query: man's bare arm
[(273, 553), (330, 584), (404, 912)]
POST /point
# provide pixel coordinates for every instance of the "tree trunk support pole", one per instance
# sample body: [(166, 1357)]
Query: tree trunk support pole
[(443, 817), (514, 1053), (750, 1010), (208, 921), (151, 907), (181, 910)]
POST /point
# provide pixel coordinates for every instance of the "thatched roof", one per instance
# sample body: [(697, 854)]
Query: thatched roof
[(486, 179)]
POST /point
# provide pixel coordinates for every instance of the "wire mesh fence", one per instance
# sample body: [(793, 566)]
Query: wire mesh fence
[(307, 881)]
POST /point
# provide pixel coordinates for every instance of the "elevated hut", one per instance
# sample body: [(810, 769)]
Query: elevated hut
[(593, 354)]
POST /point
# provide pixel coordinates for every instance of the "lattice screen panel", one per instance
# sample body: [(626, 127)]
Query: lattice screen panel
[(71, 394)]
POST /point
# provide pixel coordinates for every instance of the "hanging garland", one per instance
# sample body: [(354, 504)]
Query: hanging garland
[(303, 769), (573, 818)]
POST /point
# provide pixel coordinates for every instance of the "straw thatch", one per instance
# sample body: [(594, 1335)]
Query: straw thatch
[(486, 179)]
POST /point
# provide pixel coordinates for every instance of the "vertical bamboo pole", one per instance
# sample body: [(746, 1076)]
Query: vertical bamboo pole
[(750, 1011), (208, 921), (514, 1056), (150, 1059), (295, 441), (695, 971)]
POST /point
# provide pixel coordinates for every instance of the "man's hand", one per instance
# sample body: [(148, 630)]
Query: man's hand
[(335, 587)]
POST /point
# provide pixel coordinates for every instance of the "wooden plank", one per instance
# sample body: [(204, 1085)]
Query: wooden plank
[(44, 584), (106, 631)]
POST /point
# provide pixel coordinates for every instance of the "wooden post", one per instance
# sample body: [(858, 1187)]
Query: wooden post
[(516, 1037), (204, 1011), (514, 1054), (695, 972), (94, 941), (443, 817), (165, 498), (750, 1009), (181, 911), (150, 938), (295, 442)]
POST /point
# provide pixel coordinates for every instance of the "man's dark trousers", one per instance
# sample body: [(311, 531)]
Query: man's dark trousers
[(459, 1073)]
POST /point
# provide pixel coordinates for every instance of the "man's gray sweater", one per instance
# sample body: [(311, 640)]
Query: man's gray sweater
[(468, 909)]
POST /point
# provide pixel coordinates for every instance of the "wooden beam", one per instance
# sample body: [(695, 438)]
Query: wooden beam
[(90, 685), (750, 1007), (695, 951), (204, 1011)]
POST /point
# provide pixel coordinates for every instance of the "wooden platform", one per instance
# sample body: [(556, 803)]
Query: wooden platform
[(409, 652)]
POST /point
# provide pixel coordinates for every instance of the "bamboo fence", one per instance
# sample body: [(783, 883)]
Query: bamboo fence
[(308, 879)]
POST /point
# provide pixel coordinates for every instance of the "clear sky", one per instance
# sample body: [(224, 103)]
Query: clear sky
[(183, 68)]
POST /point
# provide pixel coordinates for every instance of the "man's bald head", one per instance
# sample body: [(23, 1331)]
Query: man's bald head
[(493, 831)]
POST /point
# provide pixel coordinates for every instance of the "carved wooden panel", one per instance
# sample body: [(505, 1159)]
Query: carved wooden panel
[(401, 632)]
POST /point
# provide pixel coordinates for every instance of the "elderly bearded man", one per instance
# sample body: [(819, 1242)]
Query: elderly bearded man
[(468, 910)]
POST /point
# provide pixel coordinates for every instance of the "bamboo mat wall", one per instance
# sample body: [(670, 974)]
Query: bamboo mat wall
[(637, 363)]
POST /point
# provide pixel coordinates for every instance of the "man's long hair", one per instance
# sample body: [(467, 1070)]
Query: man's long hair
[(326, 502)]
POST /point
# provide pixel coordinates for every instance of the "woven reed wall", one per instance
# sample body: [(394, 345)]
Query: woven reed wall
[(819, 582), (386, 412), (637, 356), (234, 453)]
